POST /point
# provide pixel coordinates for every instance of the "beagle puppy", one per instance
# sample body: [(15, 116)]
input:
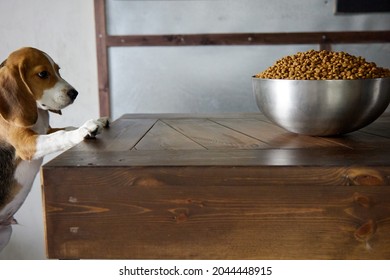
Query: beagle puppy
[(30, 87)]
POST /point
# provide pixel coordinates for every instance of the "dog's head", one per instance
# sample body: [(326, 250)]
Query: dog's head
[(30, 79)]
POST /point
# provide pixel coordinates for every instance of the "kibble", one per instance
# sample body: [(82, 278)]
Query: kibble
[(323, 65)]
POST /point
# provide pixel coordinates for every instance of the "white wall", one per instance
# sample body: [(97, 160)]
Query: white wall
[(64, 29)]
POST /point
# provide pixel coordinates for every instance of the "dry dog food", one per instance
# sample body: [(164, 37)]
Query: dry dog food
[(323, 65)]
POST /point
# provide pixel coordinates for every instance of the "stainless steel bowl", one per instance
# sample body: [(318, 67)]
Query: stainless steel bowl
[(322, 107)]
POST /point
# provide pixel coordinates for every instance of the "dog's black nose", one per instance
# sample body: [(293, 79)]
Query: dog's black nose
[(72, 93)]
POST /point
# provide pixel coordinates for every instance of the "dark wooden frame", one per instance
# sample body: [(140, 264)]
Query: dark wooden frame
[(105, 41)]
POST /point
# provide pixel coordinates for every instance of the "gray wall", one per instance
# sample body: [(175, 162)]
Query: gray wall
[(215, 78)]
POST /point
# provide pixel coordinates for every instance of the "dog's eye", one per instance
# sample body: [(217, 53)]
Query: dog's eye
[(43, 75)]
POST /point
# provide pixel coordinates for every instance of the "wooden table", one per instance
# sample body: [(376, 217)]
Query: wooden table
[(219, 187)]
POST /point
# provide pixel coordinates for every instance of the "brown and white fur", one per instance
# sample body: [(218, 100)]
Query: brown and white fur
[(30, 86)]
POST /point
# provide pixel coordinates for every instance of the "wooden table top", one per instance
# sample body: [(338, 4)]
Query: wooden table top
[(245, 139)]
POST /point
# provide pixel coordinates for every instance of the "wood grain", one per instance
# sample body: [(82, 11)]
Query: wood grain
[(163, 137), (234, 186), (213, 136), (147, 220), (272, 135), (102, 57), (380, 127), (269, 38), (122, 135)]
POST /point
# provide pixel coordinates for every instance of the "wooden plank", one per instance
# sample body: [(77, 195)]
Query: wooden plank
[(195, 176), (102, 57), (269, 38), (152, 221), (163, 137), (245, 115), (380, 127), (376, 133), (122, 135), (273, 135), (359, 140), (214, 136), (223, 157)]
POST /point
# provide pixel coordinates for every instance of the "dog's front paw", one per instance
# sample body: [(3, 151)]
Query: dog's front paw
[(93, 127), (105, 121)]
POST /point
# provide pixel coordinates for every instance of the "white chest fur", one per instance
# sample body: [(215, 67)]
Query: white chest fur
[(25, 173)]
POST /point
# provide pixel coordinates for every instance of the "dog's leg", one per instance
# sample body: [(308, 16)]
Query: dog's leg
[(104, 120), (68, 128), (62, 140), (5, 235)]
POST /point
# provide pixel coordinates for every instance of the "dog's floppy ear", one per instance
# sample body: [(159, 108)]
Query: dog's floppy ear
[(17, 104), (3, 63)]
